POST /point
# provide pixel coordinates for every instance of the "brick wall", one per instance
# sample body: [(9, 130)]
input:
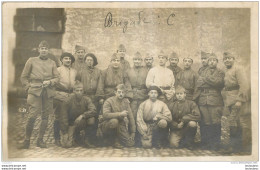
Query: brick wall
[(189, 31)]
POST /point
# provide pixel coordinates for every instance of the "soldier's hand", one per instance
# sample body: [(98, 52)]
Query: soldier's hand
[(145, 137), (123, 113), (101, 101), (180, 125), (238, 104), (46, 83), (78, 119)]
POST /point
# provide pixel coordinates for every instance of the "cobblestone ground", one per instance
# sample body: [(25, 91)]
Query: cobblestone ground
[(16, 129)]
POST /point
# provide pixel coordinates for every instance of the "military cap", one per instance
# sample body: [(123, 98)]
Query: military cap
[(213, 55), (188, 58), (148, 56), (138, 55), (115, 56), (67, 55), (155, 88), (204, 54), (121, 48), (180, 89), (78, 47), (93, 57), (174, 55), (228, 54), (77, 84), (121, 87), (161, 53), (44, 44)]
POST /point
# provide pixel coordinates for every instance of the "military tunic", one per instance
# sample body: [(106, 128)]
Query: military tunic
[(187, 79), (175, 70), (113, 107), (79, 66), (136, 78)]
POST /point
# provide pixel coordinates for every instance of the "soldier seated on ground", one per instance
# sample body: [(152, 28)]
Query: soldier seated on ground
[(153, 117), (185, 115), (78, 114), (115, 120)]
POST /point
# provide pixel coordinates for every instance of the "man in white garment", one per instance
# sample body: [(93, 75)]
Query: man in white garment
[(162, 77)]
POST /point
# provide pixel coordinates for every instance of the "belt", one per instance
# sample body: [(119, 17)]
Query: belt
[(165, 88), (67, 91), (208, 90), (232, 88)]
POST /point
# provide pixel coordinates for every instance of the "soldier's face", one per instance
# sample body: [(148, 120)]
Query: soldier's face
[(137, 62), (148, 61), (121, 53), (89, 61), (120, 94), (66, 61), (115, 63), (187, 62), (228, 61), (180, 96), (43, 51), (78, 92), (80, 54), (213, 63), (174, 61), (204, 61), (162, 60), (153, 94)]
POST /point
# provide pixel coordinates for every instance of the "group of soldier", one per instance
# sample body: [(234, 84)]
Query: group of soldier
[(143, 106)]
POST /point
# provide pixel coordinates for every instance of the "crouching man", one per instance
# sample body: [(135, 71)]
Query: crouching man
[(185, 115), (153, 117), (78, 114), (117, 117)]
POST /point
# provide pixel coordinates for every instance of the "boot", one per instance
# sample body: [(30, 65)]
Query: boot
[(41, 144), (118, 144), (87, 144), (25, 144)]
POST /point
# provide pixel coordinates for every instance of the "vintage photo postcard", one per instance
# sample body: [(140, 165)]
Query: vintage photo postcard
[(130, 81)]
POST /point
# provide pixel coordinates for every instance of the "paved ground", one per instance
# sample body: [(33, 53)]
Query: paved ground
[(16, 130)]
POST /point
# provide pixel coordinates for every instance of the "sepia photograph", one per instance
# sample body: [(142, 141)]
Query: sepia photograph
[(130, 81)]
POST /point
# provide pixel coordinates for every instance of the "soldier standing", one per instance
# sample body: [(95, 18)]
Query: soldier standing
[(163, 78), (210, 102), (79, 64), (148, 62), (116, 119), (112, 76), (64, 89), (121, 52), (153, 117), (187, 78), (174, 60), (39, 77), (236, 98)]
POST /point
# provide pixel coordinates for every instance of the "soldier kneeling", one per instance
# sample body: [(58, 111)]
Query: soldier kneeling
[(117, 117), (185, 115), (153, 117), (77, 115)]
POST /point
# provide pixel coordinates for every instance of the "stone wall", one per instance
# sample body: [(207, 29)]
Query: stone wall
[(184, 30)]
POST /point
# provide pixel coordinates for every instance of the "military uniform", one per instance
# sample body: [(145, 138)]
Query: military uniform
[(237, 90), (155, 130), (71, 110), (187, 112), (113, 128), (175, 70), (79, 66), (210, 102), (136, 77), (40, 99), (187, 79), (111, 77)]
